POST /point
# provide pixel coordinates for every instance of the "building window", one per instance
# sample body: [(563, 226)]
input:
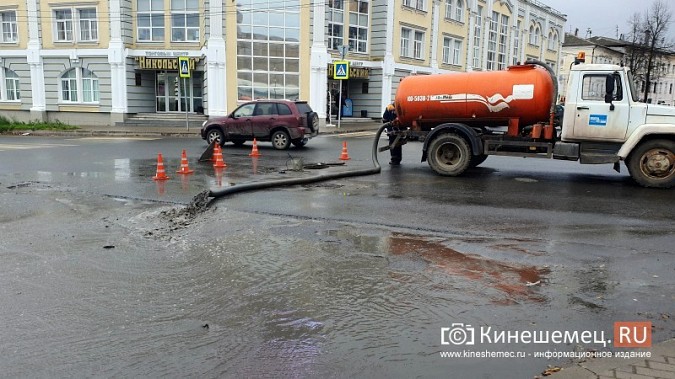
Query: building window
[(76, 25), (358, 26), (418, 45), (503, 42), (420, 5), (79, 85), (534, 35), (268, 50), (185, 20), (64, 25), (150, 20), (454, 10), (491, 63), (552, 40), (516, 44), (412, 43), (452, 50), (335, 20), (405, 42), (478, 28), (9, 27), (88, 24), (9, 85)]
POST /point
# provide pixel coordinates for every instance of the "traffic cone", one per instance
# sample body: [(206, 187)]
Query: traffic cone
[(218, 155), (345, 155), (254, 151), (184, 169), (161, 174)]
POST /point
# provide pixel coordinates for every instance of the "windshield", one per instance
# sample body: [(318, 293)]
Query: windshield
[(631, 83)]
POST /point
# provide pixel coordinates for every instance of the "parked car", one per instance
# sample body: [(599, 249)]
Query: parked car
[(282, 122)]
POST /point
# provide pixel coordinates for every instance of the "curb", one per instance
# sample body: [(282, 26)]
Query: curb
[(163, 133), (610, 368)]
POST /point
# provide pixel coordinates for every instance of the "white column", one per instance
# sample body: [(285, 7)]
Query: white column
[(435, 36), (318, 79), (117, 61), (514, 31), (526, 33), (216, 74), (388, 67), (470, 40), (544, 41), (34, 59)]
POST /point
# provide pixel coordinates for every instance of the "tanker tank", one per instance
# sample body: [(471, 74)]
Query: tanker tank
[(520, 94)]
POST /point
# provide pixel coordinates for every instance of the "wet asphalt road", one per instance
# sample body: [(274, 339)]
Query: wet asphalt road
[(105, 273)]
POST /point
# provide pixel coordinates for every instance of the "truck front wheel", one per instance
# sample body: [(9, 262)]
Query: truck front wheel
[(652, 164), (449, 155)]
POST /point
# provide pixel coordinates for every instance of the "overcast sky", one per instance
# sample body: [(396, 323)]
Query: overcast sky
[(604, 16)]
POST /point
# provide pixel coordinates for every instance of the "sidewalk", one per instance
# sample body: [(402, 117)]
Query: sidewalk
[(661, 365), (346, 126)]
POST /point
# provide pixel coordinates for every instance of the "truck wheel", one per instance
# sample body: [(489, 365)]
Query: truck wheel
[(652, 164), (477, 160), (449, 155)]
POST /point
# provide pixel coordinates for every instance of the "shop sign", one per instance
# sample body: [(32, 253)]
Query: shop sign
[(169, 64), (354, 72)]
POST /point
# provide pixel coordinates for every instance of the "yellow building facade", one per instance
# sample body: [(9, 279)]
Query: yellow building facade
[(108, 61)]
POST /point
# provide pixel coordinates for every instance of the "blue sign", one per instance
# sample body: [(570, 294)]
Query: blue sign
[(597, 120), (341, 70)]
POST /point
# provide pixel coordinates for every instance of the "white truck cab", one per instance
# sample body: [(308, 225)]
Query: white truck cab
[(604, 122)]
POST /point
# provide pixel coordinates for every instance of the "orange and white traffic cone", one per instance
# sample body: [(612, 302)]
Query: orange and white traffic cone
[(161, 174), (184, 169), (345, 155), (254, 151), (218, 155)]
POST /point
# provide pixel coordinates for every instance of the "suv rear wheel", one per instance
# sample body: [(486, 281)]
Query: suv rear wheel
[(281, 140)]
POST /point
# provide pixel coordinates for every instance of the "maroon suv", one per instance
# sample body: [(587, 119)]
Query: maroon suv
[(280, 121)]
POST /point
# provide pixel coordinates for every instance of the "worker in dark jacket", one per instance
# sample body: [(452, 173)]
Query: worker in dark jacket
[(396, 151)]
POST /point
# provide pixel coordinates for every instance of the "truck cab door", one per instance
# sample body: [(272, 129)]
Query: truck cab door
[(599, 116)]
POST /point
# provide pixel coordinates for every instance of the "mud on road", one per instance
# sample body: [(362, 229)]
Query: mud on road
[(108, 286)]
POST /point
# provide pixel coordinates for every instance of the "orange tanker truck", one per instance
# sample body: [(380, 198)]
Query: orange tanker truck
[(465, 117)]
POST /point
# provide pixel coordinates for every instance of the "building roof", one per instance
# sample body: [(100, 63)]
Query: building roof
[(572, 40)]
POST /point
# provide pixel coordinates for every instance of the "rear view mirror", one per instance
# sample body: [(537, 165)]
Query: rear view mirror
[(609, 88), (609, 91)]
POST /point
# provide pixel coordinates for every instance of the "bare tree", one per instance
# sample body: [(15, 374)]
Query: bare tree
[(648, 47), (635, 54)]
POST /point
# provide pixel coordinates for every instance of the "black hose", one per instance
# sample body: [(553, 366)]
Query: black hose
[(548, 68), (311, 179)]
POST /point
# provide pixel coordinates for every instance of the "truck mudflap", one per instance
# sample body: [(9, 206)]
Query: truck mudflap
[(460, 129)]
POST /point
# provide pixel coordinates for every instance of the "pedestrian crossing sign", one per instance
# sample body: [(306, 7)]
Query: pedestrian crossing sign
[(184, 67), (341, 70)]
